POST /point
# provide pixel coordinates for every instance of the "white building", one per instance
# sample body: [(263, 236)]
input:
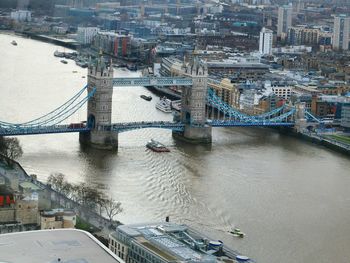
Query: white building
[(282, 91), (284, 20), (341, 32), (86, 34), (265, 44), (21, 16)]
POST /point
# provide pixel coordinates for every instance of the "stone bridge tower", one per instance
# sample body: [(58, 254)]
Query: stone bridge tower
[(99, 112), (299, 117), (193, 104)]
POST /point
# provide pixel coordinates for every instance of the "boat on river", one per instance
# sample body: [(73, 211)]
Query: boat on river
[(64, 61), (236, 232), (156, 146), (14, 43), (148, 98)]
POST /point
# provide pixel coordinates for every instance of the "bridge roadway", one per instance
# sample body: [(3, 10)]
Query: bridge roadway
[(152, 81), (128, 126), (13, 131)]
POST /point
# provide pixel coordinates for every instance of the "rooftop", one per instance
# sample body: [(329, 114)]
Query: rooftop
[(68, 245), (170, 241)]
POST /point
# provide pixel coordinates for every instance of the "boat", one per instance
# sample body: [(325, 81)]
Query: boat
[(164, 105), (237, 233), (176, 105), (82, 64), (14, 43), (64, 61), (58, 54), (131, 67), (148, 98), (156, 146)]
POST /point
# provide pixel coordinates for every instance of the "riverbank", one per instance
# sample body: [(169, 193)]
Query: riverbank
[(320, 140), (101, 225)]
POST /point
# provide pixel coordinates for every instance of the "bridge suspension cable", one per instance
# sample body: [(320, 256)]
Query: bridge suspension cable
[(50, 114), (54, 117)]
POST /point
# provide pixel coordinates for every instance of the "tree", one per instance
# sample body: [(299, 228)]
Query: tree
[(11, 148), (57, 181), (101, 202), (112, 208)]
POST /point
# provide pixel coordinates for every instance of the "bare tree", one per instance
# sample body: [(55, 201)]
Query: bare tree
[(112, 208), (11, 148), (101, 202), (57, 181)]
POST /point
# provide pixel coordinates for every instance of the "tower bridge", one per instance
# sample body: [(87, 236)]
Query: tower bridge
[(193, 124)]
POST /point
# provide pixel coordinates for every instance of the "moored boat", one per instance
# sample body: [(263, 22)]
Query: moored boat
[(164, 105), (176, 105), (58, 54), (64, 61), (14, 43), (156, 146), (131, 67)]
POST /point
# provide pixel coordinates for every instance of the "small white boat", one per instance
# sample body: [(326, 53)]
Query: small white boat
[(164, 105), (236, 232)]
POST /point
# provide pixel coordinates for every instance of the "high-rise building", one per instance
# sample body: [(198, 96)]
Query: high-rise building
[(265, 44), (341, 32), (303, 35), (284, 20)]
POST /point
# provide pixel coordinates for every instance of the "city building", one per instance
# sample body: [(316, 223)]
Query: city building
[(229, 92), (341, 32), (57, 218), (118, 45), (345, 115), (284, 20), (240, 68), (265, 41), (21, 16), (164, 243), (303, 35), (86, 34), (61, 245), (282, 91)]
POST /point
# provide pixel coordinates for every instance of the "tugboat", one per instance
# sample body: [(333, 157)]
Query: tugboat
[(237, 233), (156, 146), (14, 43), (148, 98)]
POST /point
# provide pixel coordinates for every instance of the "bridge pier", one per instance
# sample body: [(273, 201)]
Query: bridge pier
[(104, 140), (194, 134)]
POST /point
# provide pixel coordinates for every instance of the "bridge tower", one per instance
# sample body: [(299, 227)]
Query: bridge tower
[(299, 117), (99, 112), (193, 104)]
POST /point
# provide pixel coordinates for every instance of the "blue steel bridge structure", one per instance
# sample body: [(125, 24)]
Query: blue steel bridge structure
[(53, 122)]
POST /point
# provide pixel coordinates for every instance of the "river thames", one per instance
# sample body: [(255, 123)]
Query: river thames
[(291, 198)]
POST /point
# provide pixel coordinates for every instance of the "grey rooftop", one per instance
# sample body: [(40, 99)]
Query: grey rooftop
[(53, 246)]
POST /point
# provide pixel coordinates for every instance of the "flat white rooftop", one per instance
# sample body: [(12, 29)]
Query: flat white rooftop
[(53, 246)]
